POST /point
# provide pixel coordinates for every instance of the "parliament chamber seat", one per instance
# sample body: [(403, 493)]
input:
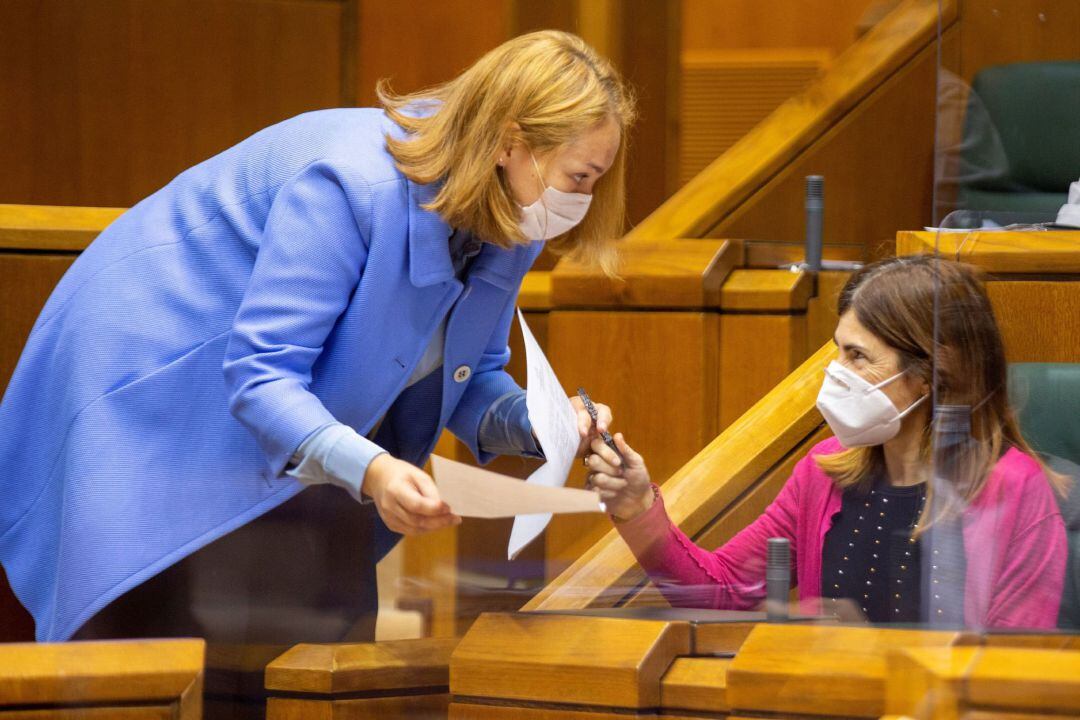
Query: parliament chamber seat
[(1021, 146)]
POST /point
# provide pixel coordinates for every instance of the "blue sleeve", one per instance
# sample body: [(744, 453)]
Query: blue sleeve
[(505, 428), (338, 455), (310, 260), (488, 383)]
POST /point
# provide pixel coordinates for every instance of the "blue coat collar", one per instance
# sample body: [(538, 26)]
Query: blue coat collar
[(429, 239), (429, 248)]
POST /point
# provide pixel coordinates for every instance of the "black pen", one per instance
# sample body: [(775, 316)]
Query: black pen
[(604, 434)]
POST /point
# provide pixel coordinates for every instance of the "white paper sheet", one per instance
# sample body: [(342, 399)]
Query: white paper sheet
[(555, 424), (475, 492)]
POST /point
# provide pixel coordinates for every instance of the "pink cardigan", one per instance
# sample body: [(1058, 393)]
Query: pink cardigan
[(1014, 539)]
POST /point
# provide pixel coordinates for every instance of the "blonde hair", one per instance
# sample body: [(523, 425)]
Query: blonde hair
[(543, 89), (936, 314)]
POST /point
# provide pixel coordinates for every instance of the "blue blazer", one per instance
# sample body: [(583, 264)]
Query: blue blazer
[(292, 280)]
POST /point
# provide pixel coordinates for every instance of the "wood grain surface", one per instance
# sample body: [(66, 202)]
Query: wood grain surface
[(150, 674), (590, 661)]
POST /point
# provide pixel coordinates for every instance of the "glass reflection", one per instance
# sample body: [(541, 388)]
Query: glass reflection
[(926, 506)]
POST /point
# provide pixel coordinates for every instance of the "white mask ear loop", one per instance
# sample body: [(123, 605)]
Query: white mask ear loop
[(912, 406), (887, 381), (540, 177)]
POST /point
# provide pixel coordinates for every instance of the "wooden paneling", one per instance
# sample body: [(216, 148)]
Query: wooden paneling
[(711, 24), (105, 102), (997, 32), (821, 315), (1034, 285), (574, 660), (878, 164), (658, 371), (472, 711), (420, 44), (725, 93), (27, 282), (788, 133), (150, 678), (756, 352), (1038, 319), (413, 707), (642, 38), (649, 59)]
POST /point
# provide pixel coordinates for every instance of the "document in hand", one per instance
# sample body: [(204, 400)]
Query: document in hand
[(475, 492), (555, 424)]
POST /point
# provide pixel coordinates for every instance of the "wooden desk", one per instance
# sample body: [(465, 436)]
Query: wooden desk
[(398, 679), (598, 666), (984, 682), (111, 680)]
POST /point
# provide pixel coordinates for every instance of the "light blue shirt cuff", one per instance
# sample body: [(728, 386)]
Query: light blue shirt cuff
[(505, 428), (335, 454)]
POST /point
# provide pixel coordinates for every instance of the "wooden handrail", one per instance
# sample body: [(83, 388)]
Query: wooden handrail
[(55, 228), (778, 140), (733, 463)]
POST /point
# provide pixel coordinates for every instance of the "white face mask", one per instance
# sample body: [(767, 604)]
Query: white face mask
[(554, 212), (858, 413)]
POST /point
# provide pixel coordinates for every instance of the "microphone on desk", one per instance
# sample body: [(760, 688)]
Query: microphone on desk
[(777, 579), (814, 239), (815, 211)]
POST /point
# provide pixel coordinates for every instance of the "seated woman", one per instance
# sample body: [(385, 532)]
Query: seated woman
[(919, 509)]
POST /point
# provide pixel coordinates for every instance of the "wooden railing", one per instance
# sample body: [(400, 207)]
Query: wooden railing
[(725, 486), (866, 124), (718, 491)]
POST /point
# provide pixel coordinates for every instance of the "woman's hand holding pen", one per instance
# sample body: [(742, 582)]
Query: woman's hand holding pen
[(624, 487), (406, 497), (587, 429)]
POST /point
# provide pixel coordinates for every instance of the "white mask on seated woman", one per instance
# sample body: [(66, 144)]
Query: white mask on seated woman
[(858, 413), (554, 212)]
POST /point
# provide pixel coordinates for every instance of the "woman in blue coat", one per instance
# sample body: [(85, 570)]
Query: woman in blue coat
[(308, 309)]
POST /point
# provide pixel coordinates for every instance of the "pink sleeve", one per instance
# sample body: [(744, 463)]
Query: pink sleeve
[(1029, 588), (730, 578), (1024, 551)]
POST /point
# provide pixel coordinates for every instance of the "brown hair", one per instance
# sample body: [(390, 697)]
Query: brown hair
[(543, 89), (935, 313)]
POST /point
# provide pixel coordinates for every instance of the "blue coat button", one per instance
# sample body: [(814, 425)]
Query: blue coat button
[(462, 374)]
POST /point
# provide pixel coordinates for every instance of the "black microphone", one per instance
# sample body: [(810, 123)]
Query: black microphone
[(815, 211), (777, 579)]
